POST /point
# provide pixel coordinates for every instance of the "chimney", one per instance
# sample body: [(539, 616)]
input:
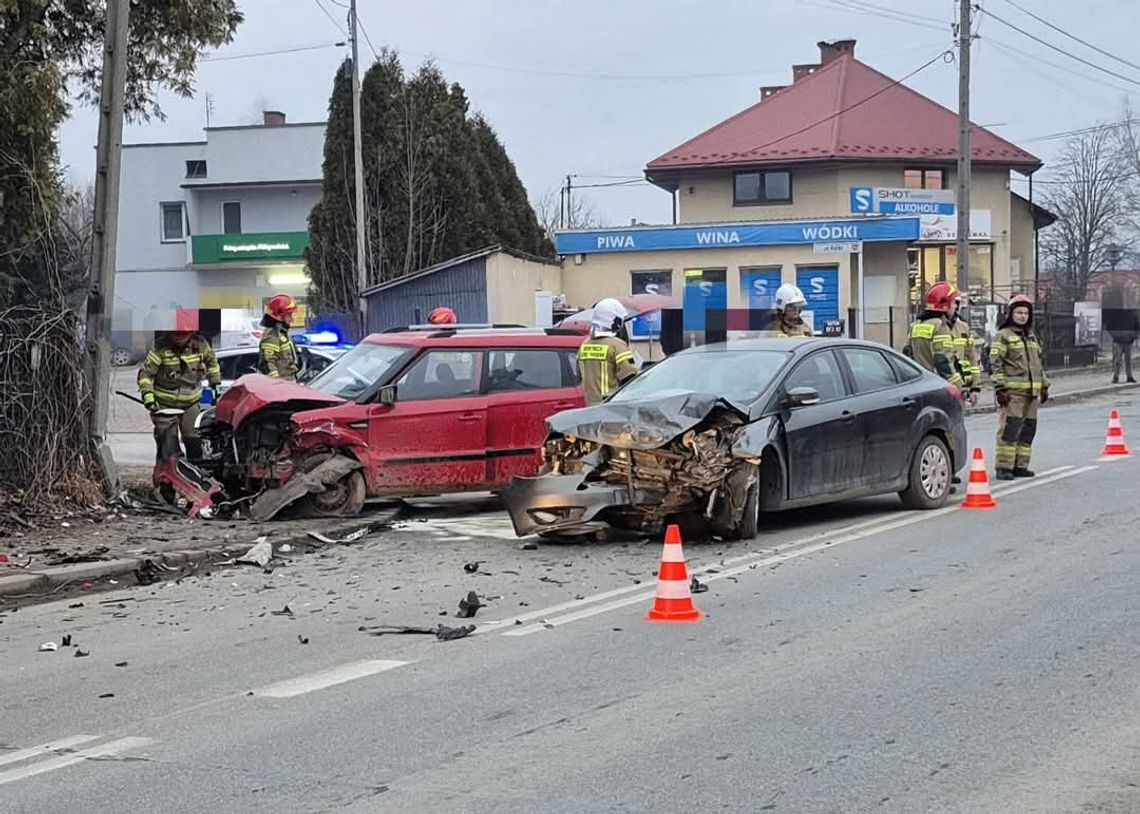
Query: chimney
[(770, 90), (272, 118), (831, 51), (801, 71)]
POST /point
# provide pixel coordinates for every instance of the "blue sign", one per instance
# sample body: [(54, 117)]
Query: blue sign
[(916, 208), (901, 201), (704, 291), (758, 288), (820, 285), (862, 200), (732, 235)]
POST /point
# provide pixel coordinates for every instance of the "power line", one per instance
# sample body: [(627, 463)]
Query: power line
[(367, 39), (1081, 131), (1066, 69), (1073, 37), (888, 14), (207, 59), (332, 19), (875, 7), (1057, 48)]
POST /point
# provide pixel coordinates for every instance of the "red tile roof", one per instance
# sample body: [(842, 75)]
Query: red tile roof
[(823, 117)]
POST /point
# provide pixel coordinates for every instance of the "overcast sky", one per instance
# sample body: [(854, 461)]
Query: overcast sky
[(600, 87)]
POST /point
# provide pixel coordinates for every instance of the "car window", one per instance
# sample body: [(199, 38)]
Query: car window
[(512, 370), (820, 371), (236, 365), (906, 370), (571, 375), (739, 376), (870, 369), (359, 371), (314, 362), (440, 374)]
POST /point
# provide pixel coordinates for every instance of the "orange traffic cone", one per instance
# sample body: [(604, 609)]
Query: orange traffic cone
[(978, 495), (674, 602), (1114, 441)]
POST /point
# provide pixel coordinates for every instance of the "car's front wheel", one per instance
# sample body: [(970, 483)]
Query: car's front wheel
[(742, 488), (930, 475)]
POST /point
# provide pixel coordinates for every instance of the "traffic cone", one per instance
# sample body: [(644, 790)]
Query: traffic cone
[(1114, 441), (978, 495), (674, 601)]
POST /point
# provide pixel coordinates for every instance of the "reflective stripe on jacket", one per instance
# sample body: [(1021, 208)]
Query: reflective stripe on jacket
[(965, 353), (931, 344), (1016, 362), (778, 326), (604, 363), (277, 354), (174, 375)]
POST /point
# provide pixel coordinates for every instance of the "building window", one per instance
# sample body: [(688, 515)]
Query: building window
[(173, 222), (924, 179), (196, 169), (231, 218), (658, 281), (771, 187)]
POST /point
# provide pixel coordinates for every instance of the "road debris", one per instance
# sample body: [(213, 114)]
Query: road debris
[(260, 554), (553, 581), (82, 654), (696, 586), (120, 664), (472, 567), (148, 572), (442, 632), (302, 639), (469, 605), (66, 640), (49, 647), (107, 695), (529, 545), (285, 611)]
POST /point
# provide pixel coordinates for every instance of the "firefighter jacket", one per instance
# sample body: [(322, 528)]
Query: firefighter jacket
[(931, 344), (965, 354), (173, 376), (278, 355), (1016, 361), (604, 362), (787, 330)]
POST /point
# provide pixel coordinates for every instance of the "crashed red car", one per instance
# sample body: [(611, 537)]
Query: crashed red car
[(411, 413)]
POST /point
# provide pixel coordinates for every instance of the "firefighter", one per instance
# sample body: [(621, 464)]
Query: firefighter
[(931, 342), (171, 376), (442, 316), (277, 355), (1020, 384), (786, 320), (965, 352), (605, 360)]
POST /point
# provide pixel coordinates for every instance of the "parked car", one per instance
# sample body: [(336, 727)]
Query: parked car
[(237, 362), (407, 413), (724, 433)]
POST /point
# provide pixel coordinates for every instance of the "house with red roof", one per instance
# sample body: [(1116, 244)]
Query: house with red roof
[(841, 182)]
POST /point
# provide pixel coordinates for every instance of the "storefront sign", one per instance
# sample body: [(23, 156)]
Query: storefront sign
[(649, 282), (901, 201), (705, 293), (735, 235), (820, 285), (758, 287), (940, 228), (206, 249), (837, 248), (833, 327)]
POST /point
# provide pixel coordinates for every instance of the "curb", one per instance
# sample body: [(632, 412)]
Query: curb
[(52, 582), (1067, 397)]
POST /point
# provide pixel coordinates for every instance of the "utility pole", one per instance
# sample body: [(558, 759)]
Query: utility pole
[(569, 211), (358, 172), (964, 167), (101, 294)]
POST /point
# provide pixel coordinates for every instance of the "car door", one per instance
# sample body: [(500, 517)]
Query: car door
[(434, 438), (884, 415), (822, 445), (524, 387)]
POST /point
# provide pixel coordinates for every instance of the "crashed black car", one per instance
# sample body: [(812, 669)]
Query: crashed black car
[(722, 433)]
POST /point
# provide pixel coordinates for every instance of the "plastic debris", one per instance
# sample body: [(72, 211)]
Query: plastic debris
[(49, 647), (529, 546), (469, 605), (148, 572), (107, 695), (260, 554), (67, 640), (696, 586), (285, 611), (472, 567), (302, 639), (81, 654), (441, 632), (120, 664)]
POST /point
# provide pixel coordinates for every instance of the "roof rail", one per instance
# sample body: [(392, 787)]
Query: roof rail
[(453, 327)]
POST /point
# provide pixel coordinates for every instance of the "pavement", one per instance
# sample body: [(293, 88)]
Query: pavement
[(853, 658)]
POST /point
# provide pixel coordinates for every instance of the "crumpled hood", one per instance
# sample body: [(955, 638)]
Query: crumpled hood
[(646, 424), (255, 391)]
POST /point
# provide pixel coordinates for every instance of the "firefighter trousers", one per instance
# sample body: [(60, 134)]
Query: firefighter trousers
[(1017, 426), (168, 428)]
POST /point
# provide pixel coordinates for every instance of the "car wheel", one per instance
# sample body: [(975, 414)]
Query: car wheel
[(930, 474), (120, 357)]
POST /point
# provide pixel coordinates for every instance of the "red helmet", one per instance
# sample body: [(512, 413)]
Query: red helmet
[(180, 337), (1021, 299), (940, 297), (281, 308), (442, 316)]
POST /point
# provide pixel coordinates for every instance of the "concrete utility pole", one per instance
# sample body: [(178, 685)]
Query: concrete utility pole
[(358, 172), (101, 294), (964, 168)]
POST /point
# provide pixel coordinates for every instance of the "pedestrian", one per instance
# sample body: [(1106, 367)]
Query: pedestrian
[(605, 360), (171, 377), (277, 355), (931, 342), (965, 352), (442, 316), (786, 320), (1124, 328), (1020, 384)]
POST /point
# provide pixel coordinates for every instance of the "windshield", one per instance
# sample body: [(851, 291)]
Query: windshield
[(738, 376), (359, 370)]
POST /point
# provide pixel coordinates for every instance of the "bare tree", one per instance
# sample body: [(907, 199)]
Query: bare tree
[(1090, 199), (1128, 145), (552, 216)]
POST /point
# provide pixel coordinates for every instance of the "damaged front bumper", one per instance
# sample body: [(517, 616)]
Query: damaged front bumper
[(567, 504)]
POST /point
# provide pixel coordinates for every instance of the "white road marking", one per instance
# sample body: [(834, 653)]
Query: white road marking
[(754, 562), (105, 750), (1111, 458), (328, 678), (46, 749)]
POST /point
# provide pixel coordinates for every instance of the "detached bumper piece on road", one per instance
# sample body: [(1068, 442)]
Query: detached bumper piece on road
[(564, 504)]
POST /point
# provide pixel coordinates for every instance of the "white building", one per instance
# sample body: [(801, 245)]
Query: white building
[(217, 226)]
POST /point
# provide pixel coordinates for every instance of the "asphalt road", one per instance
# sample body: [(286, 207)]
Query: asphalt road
[(853, 659)]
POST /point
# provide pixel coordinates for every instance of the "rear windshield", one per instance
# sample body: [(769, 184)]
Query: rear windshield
[(738, 376), (360, 370)]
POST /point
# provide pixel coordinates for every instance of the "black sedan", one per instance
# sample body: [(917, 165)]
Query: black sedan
[(720, 434)]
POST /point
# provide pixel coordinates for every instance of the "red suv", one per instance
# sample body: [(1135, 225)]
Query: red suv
[(415, 412)]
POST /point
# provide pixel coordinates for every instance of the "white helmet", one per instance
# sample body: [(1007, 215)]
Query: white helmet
[(609, 314), (788, 294)]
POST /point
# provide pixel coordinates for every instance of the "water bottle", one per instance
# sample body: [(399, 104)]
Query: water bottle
[(207, 399)]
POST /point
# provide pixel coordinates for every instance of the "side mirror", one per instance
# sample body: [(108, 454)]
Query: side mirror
[(387, 395), (801, 397)]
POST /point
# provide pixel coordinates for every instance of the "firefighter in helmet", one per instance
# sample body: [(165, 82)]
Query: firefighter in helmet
[(442, 316), (786, 320), (170, 378), (277, 355), (1020, 385), (605, 359), (931, 342), (965, 352)]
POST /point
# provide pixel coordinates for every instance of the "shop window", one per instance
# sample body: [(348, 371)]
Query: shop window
[(231, 218), (173, 222), (196, 169), (981, 274), (924, 179), (649, 282), (770, 187)]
